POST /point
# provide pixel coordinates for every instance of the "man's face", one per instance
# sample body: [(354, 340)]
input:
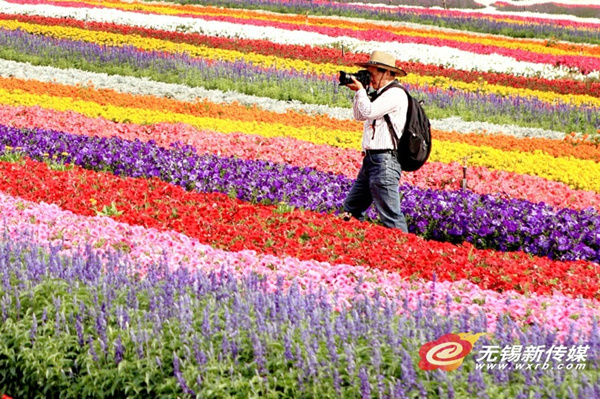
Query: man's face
[(377, 77)]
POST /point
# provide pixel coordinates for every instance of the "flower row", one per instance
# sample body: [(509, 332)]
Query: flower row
[(487, 221), (539, 19), (440, 93), (201, 315), (436, 176), (475, 100), (346, 162), (53, 51), (533, 52), (324, 25), (558, 7), (226, 96), (320, 55), (523, 105), (529, 110)]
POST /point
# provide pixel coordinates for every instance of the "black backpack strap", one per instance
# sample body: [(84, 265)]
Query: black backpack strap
[(395, 138)]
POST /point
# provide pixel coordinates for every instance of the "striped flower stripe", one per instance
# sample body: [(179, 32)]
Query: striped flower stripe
[(567, 8), (577, 174), (171, 178), (144, 115), (165, 106), (162, 45), (527, 52), (21, 43), (148, 44), (437, 176), (531, 21), (141, 86), (486, 221), (301, 22), (570, 146), (406, 51), (205, 323), (584, 150), (321, 55), (48, 225), (445, 102)]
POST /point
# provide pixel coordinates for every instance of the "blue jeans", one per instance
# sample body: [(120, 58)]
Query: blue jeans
[(378, 182)]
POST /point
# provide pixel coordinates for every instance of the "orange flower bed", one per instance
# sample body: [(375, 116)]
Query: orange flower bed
[(204, 108)]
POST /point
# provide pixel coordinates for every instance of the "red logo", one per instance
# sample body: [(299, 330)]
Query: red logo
[(447, 352)]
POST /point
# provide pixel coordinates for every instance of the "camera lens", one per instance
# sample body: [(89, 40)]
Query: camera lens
[(345, 78)]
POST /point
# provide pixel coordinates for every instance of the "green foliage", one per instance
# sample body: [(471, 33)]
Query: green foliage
[(109, 210), (12, 156), (283, 207), (59, 165)]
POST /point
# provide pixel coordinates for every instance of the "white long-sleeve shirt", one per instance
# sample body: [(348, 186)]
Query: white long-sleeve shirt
[(394, 103)]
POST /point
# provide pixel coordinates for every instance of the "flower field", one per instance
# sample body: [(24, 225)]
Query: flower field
[(171, 176)]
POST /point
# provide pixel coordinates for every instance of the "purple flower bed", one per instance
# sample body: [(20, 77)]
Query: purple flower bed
[(456, 216)]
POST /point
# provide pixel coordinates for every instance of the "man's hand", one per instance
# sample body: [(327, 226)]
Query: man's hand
[(355, 85)]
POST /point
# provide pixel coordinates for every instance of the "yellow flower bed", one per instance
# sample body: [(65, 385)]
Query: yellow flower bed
[(91, 109), (484, 87)]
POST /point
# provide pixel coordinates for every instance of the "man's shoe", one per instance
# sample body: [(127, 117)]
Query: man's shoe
[(346, 216)]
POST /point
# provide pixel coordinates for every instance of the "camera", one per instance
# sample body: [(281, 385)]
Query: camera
[(362, 76)]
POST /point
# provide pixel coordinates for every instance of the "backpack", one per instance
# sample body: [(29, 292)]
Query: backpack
[(414, 147)]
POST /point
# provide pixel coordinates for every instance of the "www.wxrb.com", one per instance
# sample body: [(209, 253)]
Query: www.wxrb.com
[(530, 366)]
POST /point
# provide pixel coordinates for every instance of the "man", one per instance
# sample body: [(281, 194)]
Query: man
[(379, 176)]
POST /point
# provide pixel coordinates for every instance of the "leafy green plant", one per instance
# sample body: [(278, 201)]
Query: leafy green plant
[(283, 207), (109, 210), (12, 156)]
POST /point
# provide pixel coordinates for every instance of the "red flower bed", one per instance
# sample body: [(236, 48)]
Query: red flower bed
[(234, 225)]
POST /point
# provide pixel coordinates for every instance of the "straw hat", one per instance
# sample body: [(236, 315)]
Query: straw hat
[(382, 60)]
